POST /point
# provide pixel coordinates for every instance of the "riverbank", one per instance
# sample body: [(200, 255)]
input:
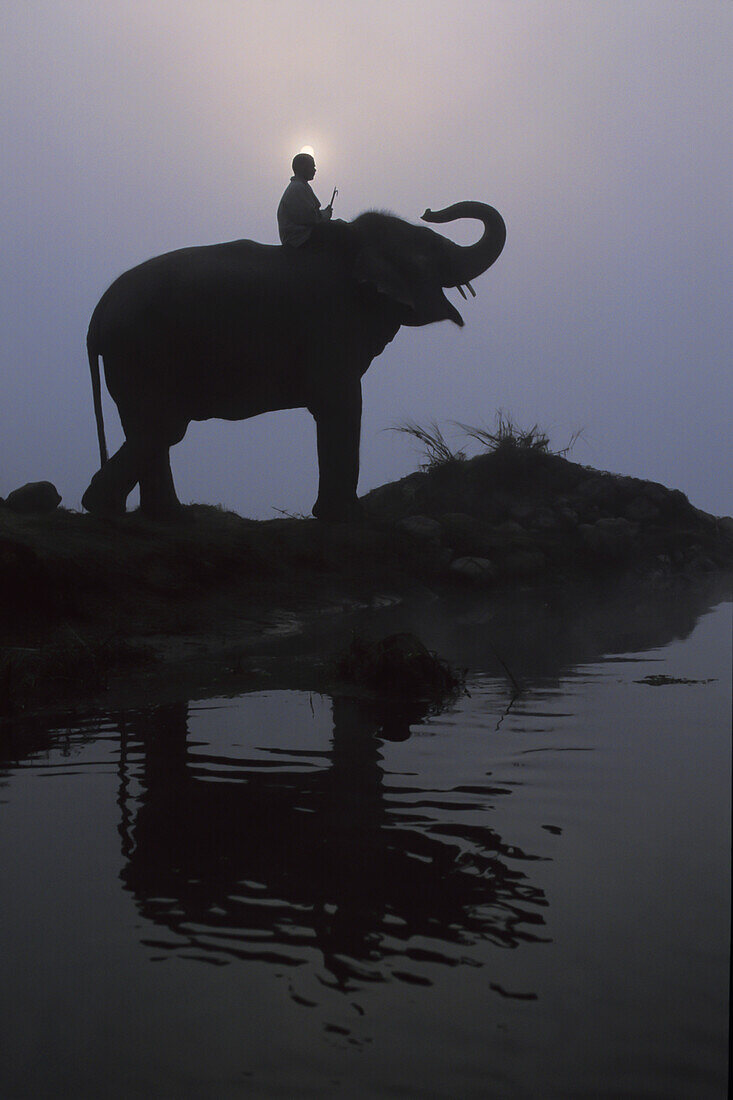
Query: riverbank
[(83, 601)]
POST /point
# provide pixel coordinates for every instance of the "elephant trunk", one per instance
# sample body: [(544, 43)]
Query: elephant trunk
[(467, 262)]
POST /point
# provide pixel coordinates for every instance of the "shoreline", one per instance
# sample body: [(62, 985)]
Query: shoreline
[(88, 604)]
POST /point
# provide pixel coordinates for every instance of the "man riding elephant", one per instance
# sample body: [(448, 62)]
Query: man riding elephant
[(236, 329), (299, 210)]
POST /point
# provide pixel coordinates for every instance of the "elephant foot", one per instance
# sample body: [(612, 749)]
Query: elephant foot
[(100, 505), (349, 511)]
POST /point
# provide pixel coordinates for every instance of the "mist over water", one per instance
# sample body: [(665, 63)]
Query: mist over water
[(600, 132)]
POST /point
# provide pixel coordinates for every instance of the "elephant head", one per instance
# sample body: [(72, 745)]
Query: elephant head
[(412, 264)]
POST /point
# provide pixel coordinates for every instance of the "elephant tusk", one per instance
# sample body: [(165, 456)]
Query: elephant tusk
[(473, 292), (462, 292)]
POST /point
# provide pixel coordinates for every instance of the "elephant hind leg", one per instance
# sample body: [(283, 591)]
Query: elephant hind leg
[(138, 460), (158, 498), (110, 487)]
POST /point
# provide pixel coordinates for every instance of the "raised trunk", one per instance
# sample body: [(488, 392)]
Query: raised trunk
[(464, 263)]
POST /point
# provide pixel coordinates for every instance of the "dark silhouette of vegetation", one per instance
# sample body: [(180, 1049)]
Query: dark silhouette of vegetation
[(436, 450), (506, 436)]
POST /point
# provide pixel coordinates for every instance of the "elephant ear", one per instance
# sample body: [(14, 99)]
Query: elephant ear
[(423, 298), (375, 269)]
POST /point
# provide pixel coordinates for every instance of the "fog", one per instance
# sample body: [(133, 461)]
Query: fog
[(602, 132)]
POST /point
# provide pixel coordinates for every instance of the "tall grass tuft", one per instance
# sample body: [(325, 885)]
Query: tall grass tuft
[(508, 436), (435, 448)]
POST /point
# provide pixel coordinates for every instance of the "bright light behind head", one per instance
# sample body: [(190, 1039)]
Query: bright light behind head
[(309, 150)]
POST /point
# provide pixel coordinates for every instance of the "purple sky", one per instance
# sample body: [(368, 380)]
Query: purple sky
[(601, 130)]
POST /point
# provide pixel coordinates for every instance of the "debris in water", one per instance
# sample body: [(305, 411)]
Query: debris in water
[(399, 666), (659, 680)]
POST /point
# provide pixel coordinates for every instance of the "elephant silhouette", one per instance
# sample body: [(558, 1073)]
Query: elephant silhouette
[(237, 329)]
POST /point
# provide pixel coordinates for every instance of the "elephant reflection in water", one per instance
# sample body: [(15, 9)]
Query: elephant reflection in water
[(323, 847)]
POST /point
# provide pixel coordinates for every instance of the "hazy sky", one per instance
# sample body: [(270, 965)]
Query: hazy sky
[(601, 129)]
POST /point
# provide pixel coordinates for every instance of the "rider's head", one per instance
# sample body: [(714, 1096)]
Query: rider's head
[(304, 166)]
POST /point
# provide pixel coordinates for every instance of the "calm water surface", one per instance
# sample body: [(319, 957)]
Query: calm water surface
[(290, 894)]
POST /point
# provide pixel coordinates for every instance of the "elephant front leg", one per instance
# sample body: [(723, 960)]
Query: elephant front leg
[(338, 426)]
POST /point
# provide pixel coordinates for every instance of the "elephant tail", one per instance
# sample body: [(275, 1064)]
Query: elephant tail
[(93, 355)]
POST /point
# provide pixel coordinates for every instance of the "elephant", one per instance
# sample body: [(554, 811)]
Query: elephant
[(240, 328)]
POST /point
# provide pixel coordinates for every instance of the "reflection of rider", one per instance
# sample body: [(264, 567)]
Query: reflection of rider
[(299, 210)]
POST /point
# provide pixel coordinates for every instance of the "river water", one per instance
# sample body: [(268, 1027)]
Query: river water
[(289, 894)]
